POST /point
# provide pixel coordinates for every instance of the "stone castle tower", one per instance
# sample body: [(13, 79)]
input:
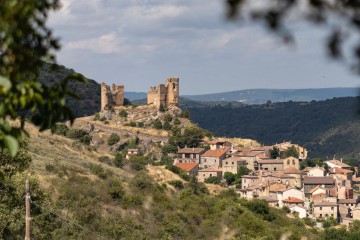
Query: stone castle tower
[(112, 97), (166, 94)]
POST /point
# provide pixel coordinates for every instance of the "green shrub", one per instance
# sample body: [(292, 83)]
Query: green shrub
[(76, 133), (168, 149), (132, 124), (106, 122), (113, 139), (167, 126), (105, 159), (119, 160), (96, 116), (86, 139), (50, 167), (329, 222), (98, 170), (229, 177), (177, 184), (123, 113), (142, 182), (61, 129), (157, 124), (185, 114), (162, 108), (116, 189), (168, 117), (213, 179), (286, 209), (140, 124), (177, 121)]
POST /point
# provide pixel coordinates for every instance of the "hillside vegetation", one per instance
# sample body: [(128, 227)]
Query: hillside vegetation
[(82, 192), (324, 127)]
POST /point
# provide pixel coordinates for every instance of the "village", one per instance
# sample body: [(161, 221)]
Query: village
[(269, 173)]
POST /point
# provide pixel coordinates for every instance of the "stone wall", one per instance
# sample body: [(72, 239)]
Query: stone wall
[(114, 97), (166, 94)]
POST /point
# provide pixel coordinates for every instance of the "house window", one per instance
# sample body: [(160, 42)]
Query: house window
[(320, 215), (274, 168), (227, 163), (320, 208), (210, 175), (288, 162), (332, 215), (326, 215), (232, 163), (332, 208), (294, 162)]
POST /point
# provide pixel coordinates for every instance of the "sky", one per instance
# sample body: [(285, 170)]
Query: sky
[(139, 43)]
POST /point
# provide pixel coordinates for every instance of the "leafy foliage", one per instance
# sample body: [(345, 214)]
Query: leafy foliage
[(157, 124), (113, 139), (123, 113)]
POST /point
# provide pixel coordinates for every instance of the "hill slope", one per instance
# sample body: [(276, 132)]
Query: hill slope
[(325, 127)]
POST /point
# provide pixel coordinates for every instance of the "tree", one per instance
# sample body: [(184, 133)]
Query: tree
[(123, 113), (113, 139), (185, 114), (275, 16), (166, 125), (25, 42), (242, 170), (229, 177), (291, 152), (157, 124), (275, 153)]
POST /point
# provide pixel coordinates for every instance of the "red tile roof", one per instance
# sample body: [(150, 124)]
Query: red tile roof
[(187, 167), (339, 171), (338, 163), (319, 204), (215, 153), (293, 200), (211, 169), (292, 170), (318, 180)]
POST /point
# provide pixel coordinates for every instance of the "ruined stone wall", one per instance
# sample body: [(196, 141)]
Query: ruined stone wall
[(166, 94), (114, 97)]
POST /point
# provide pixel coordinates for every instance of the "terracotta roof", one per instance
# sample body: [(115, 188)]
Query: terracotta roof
[(247, 153), (292, 170), (315, 188), (281, 175), (187, 167), (307, 169), (133, 149), (215, 153), (293, 200), (277, 187), (211, 169), (345, 201), (318, 180), (270, 161), (338, 163), (339, 171), (237, 159), (324, 203), (249, 176), (191, 150)]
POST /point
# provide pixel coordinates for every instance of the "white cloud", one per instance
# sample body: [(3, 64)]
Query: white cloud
[(105, 44)]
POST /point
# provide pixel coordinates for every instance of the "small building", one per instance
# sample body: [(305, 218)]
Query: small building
[(213, 158), (218, 144), (350, 203), (249, 180), (311, 182), (291, 162), (341, 174), (317, 194), (325, 209), (191, 153), (292, 201), (314, 171), (286, 145), (132, 152), (296, 173), (356, 213), (269, 200), (269, 164), (232, 164), (250, 157), (203, 174), (190, 168), (301, 210), (337, 164)]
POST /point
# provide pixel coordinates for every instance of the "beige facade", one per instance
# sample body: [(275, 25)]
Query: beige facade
[(248, 180), (165, 94), (209, 172), (269, 164), (356, 213), (111, 97), (325, 209), (316, 172), (291, 162), (232, 164)]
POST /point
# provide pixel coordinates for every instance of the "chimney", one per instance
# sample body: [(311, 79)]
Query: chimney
[(341, 160), (193, 149)]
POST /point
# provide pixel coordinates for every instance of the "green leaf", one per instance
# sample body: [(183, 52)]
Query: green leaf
[(5, 84), (12, 144)]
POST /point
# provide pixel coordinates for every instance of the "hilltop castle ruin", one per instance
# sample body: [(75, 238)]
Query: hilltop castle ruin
[(112, 97), (165, 94)]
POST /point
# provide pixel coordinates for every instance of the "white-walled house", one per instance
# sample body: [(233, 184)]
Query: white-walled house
[(300, 210)]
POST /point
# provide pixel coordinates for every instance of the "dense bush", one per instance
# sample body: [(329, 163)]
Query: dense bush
[(116, 189), (157, 124), (168, 117), (123, 113), (76, 133), (61, 129), (213, 179), (113, 139), (167, 126), (119, 160), (177, 184)]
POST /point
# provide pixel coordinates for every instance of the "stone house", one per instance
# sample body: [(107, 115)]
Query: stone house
[(314, 171), (292, 201), (337, 164), (249, 180), (218, 144), (317, 194), (189, 155), (286, 145), (132, 152), (269, 164), (356, 213), (341, 174), (301, 210), (291, 162), (311, 182), (232, 164), (269, 200), (190, 168), (325, 209), (296, 173), (203, 174), (213, 158), (250, 158)]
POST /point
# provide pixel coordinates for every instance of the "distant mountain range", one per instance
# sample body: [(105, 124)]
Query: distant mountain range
[(260, 96)]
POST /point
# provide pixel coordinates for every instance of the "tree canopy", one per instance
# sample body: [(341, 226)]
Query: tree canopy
[(25, 43)]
